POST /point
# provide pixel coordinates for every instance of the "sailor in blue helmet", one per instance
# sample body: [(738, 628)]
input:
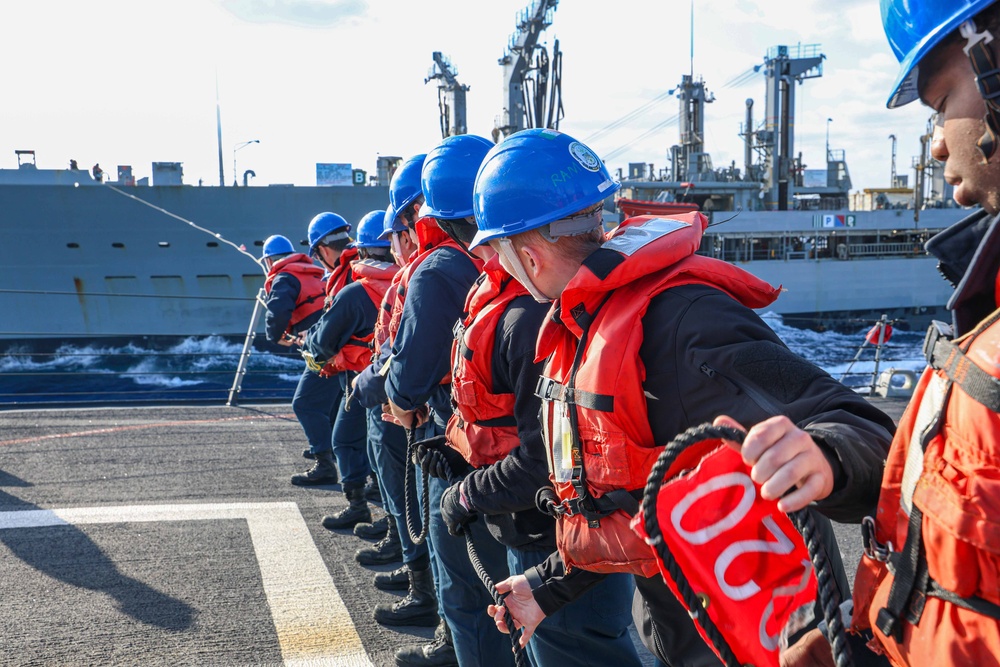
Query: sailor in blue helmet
[(440, 277), (926, 590), (337, 347), (419, 606), (495, 434), (316, 398), (645, 339), (294, 301)]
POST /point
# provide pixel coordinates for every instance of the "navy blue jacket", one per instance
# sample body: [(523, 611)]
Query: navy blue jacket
[(280, 303), (421, 351)]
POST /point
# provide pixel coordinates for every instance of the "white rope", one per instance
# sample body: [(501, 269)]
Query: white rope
[(239, 248)]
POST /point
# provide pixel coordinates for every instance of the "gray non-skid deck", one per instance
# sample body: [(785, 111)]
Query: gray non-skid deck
[(172, 536)]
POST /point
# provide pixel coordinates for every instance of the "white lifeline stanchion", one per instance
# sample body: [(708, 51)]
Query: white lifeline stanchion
[(241, 369)]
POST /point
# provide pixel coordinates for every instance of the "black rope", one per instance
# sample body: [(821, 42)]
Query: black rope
[(829, 594), (484, 576), (515, 635), (410, 492)]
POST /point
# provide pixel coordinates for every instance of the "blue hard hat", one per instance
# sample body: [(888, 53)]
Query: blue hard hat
[(325, 224), (390, 224), (277, 245), (449, 174), (370, 231), (405, 184), (535, 177), (914, 28)]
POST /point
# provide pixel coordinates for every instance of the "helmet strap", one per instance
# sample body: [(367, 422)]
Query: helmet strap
[(513, 264), (988, 80)]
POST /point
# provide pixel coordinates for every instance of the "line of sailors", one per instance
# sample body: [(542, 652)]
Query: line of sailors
[(513, 345)]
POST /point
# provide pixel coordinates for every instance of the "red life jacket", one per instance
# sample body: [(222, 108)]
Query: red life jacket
[(356, 354), (430, 238), (310, 277), (341, 275), (941, 491), (483, 428), (594, 416), (385, 311)]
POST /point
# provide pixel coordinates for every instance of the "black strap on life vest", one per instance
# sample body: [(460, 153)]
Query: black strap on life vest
[(911, 582), (944, 355), (593, 509)]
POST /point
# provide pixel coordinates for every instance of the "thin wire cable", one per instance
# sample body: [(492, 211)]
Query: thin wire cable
[(216, 235), (656, 128)]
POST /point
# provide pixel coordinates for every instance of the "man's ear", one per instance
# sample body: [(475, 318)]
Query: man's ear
[(534, 260)]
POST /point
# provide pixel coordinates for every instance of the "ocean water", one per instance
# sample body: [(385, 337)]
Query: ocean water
[(203, 369)]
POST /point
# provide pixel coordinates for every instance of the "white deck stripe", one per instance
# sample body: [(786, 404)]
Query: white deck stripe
[(312, 623)]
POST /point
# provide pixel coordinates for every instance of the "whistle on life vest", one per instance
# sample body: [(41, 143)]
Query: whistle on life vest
[(742, 557)]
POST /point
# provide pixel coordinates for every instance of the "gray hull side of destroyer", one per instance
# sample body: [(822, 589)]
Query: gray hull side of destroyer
[(88, 262)]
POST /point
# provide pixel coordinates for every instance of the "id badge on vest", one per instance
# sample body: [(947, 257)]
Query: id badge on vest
[(558, 433)]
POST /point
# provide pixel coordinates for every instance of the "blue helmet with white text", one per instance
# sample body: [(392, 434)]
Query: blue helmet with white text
[(534, 178)]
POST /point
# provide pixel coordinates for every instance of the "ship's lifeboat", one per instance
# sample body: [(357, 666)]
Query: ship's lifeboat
[(634, 207)]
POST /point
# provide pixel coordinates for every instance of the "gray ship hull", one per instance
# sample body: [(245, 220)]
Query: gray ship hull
[(89, 262)]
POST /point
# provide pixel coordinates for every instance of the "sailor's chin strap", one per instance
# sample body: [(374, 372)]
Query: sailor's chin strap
[(988, 79)]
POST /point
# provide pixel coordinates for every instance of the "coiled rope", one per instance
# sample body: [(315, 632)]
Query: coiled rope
[(829, 595)]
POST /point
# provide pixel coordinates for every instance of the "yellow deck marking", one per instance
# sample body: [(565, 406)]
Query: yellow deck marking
[(312, 623)]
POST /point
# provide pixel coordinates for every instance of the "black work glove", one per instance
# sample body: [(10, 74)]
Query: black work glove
[(455, 516), (437, 459)]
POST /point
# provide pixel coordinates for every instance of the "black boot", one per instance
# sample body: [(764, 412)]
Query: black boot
[(307, 453), (419, 607), (324, 471), (372, 491), (374, 530), (397, 580), (355, 512), (439, 653), (387, 550)]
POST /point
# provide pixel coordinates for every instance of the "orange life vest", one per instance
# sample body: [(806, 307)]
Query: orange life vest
[(356, 354), (341, 275), (310, 277), (385, 311), (940, 501), (483, 428), (430, 238), (594, 420)]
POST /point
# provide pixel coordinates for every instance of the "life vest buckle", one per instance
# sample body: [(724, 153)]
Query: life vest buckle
[(872, 547), (935, 332)]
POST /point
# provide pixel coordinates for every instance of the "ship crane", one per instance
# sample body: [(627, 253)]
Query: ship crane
[(532, 80), (451, 96)]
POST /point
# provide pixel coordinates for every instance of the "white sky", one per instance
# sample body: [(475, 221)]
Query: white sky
[(134, 81)]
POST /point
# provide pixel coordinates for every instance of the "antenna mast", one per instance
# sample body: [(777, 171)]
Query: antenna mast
[(892, 174)]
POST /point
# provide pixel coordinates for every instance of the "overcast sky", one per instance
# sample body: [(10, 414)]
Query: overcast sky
[(134, 81)]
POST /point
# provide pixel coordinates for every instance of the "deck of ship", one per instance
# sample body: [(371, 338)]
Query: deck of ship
[(166, 536)]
